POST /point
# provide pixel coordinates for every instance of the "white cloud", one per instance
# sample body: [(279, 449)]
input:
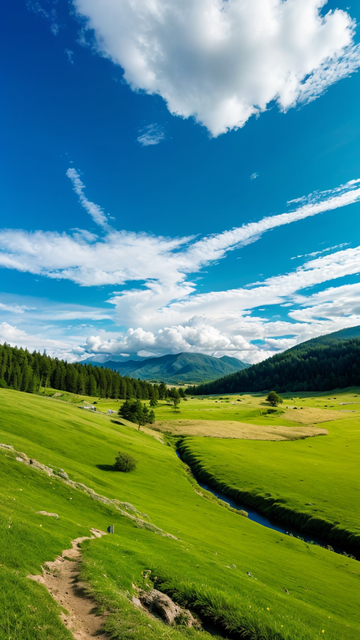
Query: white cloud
[(69, 55), (164, 311), (151, 135), (162, 263), (224, 61), (18, 337), (50, 15), (254, 176), (13, 308), (317, 253), (96, 212)]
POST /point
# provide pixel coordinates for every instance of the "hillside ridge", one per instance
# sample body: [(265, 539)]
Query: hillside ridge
[(328, 362)]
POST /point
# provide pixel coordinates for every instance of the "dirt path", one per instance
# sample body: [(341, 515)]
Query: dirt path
[(60, 578)]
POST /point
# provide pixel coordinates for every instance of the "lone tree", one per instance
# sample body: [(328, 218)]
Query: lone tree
[(274, 399), (174, 397), (124, 462), (137, 412), (154, 399)]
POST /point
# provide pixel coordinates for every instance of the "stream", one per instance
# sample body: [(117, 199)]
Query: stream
[(258, 517)]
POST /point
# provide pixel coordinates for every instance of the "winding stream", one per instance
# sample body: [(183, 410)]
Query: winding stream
[(258, 517)]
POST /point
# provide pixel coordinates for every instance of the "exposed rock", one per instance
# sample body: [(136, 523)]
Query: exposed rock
[(125, 505), (45, 513), (160, 605)]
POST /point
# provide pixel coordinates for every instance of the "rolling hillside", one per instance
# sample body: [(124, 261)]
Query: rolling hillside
[(320, 364), (241, 578), (179, 368)]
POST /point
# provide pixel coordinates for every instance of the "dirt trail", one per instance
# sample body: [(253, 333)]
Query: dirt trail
[(60, 578)]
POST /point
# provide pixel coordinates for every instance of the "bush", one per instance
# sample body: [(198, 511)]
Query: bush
[(124, 462), (274, 399)]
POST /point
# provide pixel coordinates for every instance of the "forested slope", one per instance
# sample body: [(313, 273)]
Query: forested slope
[(316, 365), (25, 371)]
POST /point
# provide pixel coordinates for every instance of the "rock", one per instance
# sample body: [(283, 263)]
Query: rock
[(45, 513), (98, 533), (162, 606)]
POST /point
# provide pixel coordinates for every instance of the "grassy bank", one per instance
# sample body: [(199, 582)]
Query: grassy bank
[(309, 483)]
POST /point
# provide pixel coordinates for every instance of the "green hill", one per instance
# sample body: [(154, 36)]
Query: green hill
[(328, 362), (179, 368)]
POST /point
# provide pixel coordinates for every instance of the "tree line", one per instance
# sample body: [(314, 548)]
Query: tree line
[(306, 367), (32, 372)]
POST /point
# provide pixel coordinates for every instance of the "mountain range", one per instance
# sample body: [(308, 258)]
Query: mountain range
[(320, 364), (177, 368)]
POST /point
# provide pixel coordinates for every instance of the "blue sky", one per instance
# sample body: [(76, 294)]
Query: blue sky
[(178, 178)]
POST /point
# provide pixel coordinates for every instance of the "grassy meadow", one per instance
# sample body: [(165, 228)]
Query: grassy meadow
[(295, 590)]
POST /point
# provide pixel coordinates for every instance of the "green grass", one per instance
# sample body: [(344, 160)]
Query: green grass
[(311, 482), (206, 568)]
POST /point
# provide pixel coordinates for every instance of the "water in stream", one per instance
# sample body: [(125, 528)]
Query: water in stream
[(263, 520)]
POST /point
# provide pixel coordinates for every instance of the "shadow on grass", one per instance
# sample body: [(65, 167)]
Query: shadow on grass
[(106, 467)]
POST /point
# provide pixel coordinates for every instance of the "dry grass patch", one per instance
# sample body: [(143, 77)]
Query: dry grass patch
[(310, 415), (239, 430)]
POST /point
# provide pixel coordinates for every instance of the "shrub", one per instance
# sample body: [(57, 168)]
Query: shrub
[(124, 462), (274, 399)]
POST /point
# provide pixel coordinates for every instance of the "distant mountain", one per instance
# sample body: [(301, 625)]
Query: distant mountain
[(321, 364), (102, 359), (179, 368)]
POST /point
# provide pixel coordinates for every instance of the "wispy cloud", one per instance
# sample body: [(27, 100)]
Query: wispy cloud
[(317, 253), (343, 64), (162, 263), (50, 15), (151, 135), (254, 176), (96, 212), (166, 312), (69, 55), (13, 308)]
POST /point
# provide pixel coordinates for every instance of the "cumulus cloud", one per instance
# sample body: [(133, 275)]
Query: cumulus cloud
[(151, 135), (224, 61), (227, 322)]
